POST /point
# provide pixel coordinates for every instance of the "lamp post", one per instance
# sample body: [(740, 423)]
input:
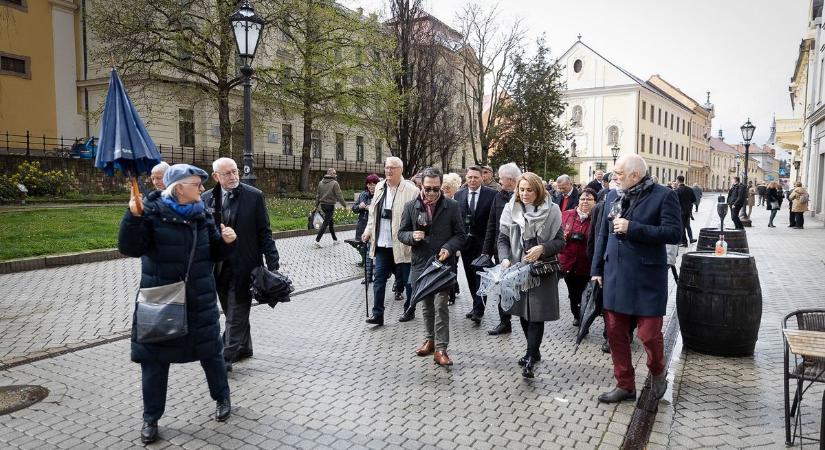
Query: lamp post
[(615, 150), (247, 27), (796, 165), (747, 135)]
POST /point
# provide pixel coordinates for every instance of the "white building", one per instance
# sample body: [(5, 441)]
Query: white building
[(609, 107)]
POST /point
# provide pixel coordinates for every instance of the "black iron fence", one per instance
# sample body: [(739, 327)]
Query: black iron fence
[(60, 147)]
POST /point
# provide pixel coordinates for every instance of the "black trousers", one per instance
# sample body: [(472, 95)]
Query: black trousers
[(468, 254), (687, 232), (797, 219), (237, 336), (576, 285), (734, 216), (533, 331), (155, 378), (329, 213)]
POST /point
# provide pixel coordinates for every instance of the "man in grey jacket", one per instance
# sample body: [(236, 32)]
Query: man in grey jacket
[(329, 193)]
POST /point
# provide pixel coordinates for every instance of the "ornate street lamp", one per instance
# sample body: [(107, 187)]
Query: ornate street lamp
[(796, 165), (248, 28), (747, 134), (615, 150)]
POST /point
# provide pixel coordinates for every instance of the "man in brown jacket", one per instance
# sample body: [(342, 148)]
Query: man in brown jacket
[(329, 193)]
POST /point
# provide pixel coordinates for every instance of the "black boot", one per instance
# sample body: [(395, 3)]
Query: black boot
[(149, 432), (501, 328), (527, 372), (524, 358), (376, 320), (223, 410)]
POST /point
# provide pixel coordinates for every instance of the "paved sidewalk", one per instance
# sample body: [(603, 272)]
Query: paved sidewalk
[(738, 402), (50, 310)]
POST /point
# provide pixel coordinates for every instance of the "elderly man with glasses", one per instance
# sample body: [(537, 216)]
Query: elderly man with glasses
[(391, 194), (242, 208)]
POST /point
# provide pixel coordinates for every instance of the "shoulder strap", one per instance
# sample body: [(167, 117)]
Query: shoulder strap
[(192, 253)]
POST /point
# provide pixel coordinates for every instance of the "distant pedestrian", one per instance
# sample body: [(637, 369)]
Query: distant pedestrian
[(751, 198), (531, 231), (157, 175), (391, 255), (799, 198), (565, 197), (431, 224), (329, 193), (697, 192), (686, 200), (575, 264), (773, 200), (737, 196), (596, 183), (449, 186), (762, 190), (170, 229), (487, 179), (508, 175), (630, 263)]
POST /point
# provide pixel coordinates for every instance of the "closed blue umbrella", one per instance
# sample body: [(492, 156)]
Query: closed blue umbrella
[(124, 143)]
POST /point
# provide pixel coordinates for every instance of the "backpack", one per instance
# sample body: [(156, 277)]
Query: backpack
[(803, 199)]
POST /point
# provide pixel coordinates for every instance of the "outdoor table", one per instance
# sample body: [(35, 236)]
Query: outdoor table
[(811, 344)]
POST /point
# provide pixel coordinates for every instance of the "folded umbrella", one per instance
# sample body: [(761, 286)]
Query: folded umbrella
[(505, 285), (482, 262), (270, 287), (435, 278), (591, 307)]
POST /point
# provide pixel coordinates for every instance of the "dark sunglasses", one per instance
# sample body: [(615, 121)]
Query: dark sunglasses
[(432, 189)]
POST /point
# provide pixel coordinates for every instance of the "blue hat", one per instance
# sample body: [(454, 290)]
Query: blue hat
[(180, 171)]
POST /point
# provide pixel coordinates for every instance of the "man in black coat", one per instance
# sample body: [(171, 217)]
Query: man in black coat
[(736, 199), (686, 200), (475, 202), (431, 225), (566, 197), (596, 183), (241, 207), (508, 176)]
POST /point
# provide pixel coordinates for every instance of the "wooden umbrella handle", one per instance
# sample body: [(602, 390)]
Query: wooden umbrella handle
[(136, 195)]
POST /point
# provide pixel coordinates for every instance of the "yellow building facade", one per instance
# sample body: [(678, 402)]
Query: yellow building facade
[(38, 69)]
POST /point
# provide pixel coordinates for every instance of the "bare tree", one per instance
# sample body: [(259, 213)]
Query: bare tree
[(425, 85), (488, 72), (187, 42)]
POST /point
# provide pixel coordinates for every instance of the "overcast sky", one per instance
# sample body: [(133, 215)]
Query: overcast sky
[(742, 51)]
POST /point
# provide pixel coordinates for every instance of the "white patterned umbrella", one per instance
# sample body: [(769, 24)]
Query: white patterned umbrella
[(505, 285)]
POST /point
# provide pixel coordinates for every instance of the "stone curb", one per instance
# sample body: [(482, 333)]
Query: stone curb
[(69, 259)]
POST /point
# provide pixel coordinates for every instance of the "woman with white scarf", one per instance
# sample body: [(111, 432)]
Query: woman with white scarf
[(531, 231)]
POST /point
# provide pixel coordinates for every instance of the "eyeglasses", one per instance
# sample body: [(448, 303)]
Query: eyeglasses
[(198, 184), (431, 188), (391, 167), (228, 172)]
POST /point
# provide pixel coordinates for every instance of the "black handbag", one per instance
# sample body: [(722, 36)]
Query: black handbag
[(160, 311), (482, 262), (545, 267)]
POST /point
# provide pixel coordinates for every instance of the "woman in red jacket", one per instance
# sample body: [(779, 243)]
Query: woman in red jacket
[(574, 261)]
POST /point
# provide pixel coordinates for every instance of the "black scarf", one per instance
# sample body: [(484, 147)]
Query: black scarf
[(632, 195)]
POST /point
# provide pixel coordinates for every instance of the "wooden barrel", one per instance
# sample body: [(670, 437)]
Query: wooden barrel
[(719, 303), (737, 240)]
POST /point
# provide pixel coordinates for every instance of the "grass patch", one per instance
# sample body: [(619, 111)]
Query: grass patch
[(51, 231)]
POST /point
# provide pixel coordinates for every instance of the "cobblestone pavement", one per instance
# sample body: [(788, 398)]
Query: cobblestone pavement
[(322, 378), (738, 402), (44, 311)]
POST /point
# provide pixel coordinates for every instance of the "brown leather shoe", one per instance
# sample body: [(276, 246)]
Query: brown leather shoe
[(427, 348), (442, 359)]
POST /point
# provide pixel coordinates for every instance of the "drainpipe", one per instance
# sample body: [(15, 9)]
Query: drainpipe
[(85, 66)]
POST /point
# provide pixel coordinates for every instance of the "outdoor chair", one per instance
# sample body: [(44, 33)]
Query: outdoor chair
[(801, 368)]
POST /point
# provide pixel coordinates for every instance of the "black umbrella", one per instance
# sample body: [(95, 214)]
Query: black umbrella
[(435, 278), (483, 262), (270, 287), (591, 307)]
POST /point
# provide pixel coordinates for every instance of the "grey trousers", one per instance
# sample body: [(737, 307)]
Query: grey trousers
[(437, 319)]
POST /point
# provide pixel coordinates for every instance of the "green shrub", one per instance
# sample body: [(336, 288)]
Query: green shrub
[(40, 182), (9, 193)]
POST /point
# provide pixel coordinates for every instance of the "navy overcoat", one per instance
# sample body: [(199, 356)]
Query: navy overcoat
[(634, 265), (163, 239)]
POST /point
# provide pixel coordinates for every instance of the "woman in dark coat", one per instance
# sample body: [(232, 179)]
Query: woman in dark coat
[(574, 260), (162, 235), (773, 195), (532, 218), (362, 208)]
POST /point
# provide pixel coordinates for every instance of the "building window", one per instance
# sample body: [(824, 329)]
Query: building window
[(670, 151), (660, 116), (612, 135), (665, 119), (315, 143), (577, 66), (658, 143), (359, 148), (339, 146), (650, 147), (16, 4), (186, 127), (678, 122), (286, 138), (379, 152), (644, 110), (576, 120), (651, 113), (16, 65), (643, 143)]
